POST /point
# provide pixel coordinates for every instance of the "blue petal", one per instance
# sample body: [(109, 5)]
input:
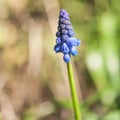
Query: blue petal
[(68, 27), (77, 42), (65, 37), (62, 26), (63, 13), (58, 40), (65, 48), (57, 48), (66, 58), (58, 34), (65, 21), (71, 33), (73, 51), (73, 42), (70, 43), (64, 31)]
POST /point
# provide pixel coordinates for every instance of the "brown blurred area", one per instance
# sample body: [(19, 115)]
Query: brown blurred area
[(28, 77)]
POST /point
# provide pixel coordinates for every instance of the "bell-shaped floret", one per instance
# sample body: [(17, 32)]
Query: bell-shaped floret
[(73, 51), (66, 58), (73, 42), (58, 40), (57, 48), (65, 48)]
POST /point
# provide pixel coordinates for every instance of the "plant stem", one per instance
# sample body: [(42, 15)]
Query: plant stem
[(74, 96)]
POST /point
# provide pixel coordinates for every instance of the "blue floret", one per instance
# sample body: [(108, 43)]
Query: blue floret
[(66, 42)]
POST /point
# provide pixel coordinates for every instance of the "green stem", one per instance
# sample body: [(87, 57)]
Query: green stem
[(75, 101)]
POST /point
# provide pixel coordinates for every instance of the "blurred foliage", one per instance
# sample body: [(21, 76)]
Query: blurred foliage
[(38, 96)]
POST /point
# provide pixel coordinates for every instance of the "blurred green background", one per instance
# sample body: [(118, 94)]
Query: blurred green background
[(33, 78)]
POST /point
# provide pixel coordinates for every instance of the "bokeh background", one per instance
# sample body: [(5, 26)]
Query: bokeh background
[(33, 78)]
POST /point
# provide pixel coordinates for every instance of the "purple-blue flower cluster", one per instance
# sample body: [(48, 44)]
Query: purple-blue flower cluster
[(66, 42)]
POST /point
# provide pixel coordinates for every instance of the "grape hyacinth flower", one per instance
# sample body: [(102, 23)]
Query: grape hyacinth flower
[(66, 41)]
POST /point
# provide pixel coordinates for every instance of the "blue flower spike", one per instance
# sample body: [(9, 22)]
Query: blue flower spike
[(66, 41)]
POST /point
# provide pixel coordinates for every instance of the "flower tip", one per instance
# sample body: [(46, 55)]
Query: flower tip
[(62, 10)]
